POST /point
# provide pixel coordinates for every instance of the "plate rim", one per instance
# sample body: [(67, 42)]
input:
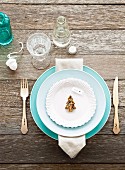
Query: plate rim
[(49, 100), (79, 131), (103, 84)]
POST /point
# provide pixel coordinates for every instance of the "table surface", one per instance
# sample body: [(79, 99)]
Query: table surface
[(98, 31)]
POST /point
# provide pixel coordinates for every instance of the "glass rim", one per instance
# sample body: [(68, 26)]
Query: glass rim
[(2, 15), (40, 34)]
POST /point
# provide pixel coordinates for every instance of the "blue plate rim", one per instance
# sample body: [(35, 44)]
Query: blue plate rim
[(59, 74), (91, 133)]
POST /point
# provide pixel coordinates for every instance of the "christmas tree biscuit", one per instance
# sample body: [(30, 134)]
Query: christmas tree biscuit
[(70, 105)]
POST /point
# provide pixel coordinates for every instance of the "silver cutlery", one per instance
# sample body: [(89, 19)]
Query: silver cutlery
[(24, 92), (116, 128)]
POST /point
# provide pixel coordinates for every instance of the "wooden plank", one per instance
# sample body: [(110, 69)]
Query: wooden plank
[(79, 17), (112, 65), (81, 2), (88, 42), (39, 149), (11, 108), (62, 166), (10, 92), (10, 121)]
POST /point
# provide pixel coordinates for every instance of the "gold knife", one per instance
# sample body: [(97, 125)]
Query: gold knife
[(116, 128)]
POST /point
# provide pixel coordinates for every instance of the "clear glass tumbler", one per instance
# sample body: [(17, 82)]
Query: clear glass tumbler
[(39, 46)]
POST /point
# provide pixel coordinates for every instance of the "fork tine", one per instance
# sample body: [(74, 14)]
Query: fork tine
[(25, 83), (24, 90), (21, 83)]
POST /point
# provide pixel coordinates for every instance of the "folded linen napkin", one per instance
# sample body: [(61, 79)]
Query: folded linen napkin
[(69, 64), (70, 145)]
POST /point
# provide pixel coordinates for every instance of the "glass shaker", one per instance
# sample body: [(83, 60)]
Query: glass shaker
[(61, 33), (5, 29)]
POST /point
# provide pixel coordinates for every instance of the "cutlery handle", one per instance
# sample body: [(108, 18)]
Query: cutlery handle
[(24, 128), (116, 119), (116, 128)]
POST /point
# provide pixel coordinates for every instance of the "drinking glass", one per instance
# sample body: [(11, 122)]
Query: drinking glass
[(39, 46), (5, 29)]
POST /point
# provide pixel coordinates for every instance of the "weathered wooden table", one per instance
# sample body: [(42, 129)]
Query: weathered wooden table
[(98, 30)]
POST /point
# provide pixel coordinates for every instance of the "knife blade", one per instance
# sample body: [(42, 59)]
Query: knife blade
[(115, 92)]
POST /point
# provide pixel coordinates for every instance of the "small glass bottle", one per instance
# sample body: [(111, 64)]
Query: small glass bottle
[(61, 33)]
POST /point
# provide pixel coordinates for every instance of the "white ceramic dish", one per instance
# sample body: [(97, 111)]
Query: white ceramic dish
[(41, 102), (83, 96), (33, 98)]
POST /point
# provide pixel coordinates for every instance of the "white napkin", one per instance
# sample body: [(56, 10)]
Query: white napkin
[(62, 64), (70, 145)]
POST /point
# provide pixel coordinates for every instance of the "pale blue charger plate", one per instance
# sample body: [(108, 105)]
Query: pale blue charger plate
[(66, 74), (35, 90)]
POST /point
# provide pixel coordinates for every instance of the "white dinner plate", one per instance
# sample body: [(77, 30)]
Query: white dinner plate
[(84, 102), (41, 102)]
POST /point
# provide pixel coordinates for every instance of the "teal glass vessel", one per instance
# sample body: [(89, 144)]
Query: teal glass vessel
[(5, 29)]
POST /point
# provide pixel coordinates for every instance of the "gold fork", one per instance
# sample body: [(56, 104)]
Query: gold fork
[(24, 92)]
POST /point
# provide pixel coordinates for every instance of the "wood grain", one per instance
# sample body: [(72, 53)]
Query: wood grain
[(98, 29), (88, 42), (10, 121), (42, 149), (79, 16), (92, 46), (11, 108), (10, 93), (62, 166), (113, 65), (80, 2)]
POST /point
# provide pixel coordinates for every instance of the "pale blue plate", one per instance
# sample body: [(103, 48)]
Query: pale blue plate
[(65, 74), (37, 119)]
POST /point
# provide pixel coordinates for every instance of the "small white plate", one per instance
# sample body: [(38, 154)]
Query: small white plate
[(85, 102)]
